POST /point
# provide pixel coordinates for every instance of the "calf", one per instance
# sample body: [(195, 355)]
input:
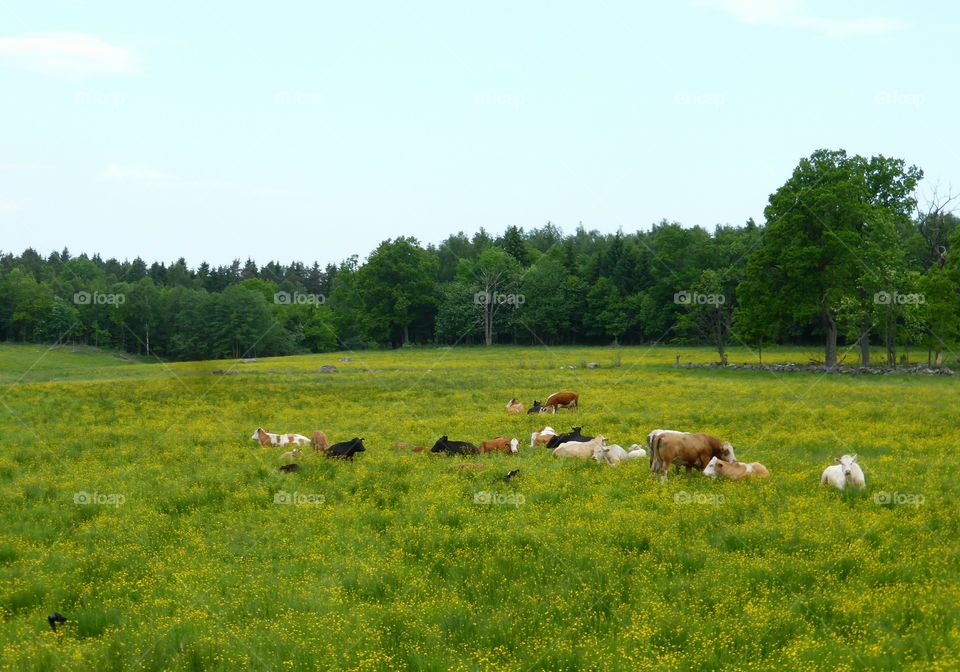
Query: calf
[(445, 445), (346, 449), (735, 471), (562, 400), (291, 454), (514, 406), (319, 441), (536, 408), (691, 450), (845, 473), (542, 436), (501, 444), (612, 455), (581, 449), (573, 435)]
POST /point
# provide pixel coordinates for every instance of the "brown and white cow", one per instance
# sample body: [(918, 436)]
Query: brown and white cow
[(270, 439), (561, 400), (515, 406), (501, 444), (689, 450), (542, 436), (735, 471)]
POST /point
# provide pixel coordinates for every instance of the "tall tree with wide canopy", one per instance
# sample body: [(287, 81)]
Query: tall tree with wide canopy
[(825, 227)]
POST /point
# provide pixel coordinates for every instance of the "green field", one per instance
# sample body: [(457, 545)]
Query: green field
[(187, 556)]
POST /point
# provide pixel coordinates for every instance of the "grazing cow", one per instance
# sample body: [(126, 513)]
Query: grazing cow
[(319, 441), (515, 406), (573, 435), (501, 444), (445, 445), (691, 450), (346, 449), (291, 454), (581, 449), (270, 439), (536, 408), (287, 468), (845, 473), (561, 400), (542, 436), (735, 471)]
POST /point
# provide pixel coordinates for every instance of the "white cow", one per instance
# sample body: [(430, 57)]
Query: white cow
[(581, 449), (612, 455), (846, 472)]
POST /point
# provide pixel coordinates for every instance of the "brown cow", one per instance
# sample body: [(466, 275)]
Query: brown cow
[(515, 406), (320, 442), (561, 400), (690, 450), (501, 444)]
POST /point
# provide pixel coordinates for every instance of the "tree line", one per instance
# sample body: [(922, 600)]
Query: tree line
[(845, 258)]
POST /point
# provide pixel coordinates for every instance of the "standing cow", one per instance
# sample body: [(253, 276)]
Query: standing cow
[(689, 450)]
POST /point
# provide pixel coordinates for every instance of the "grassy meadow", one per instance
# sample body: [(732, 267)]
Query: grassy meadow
[(135, 504)]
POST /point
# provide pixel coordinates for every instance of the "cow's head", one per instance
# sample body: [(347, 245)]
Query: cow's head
[(440, 445), (513, 445), (576, 431), (726, 452), (846, 463), (356, 446), (256, 434), (601, 454)]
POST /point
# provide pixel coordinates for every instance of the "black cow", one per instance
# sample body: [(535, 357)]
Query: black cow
[(536, 408), (573, 435), (445, 445), (346, 449), (287, 468)]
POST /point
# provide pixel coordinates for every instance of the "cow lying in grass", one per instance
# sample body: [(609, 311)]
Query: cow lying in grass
[(689, 450), (614, 455), (270, 439), (445, 445), (291, 454), (515, 406), (572, 435), (582, 449), (542, 436), (845, 473), (501, 444), (735, 471), (536, 408), (346, 449)]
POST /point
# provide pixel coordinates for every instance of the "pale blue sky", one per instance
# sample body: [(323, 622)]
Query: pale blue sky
[(306, 130)]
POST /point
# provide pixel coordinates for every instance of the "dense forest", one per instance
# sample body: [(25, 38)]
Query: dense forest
[(846, 257)]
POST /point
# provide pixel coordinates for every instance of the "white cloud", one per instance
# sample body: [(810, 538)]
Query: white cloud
[(791, 14), (66, 54)]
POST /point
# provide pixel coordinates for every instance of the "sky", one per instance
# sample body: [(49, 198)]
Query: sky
[(314, 130)]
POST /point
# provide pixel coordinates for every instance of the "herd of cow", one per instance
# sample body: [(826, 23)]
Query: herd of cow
[(665, 448)]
